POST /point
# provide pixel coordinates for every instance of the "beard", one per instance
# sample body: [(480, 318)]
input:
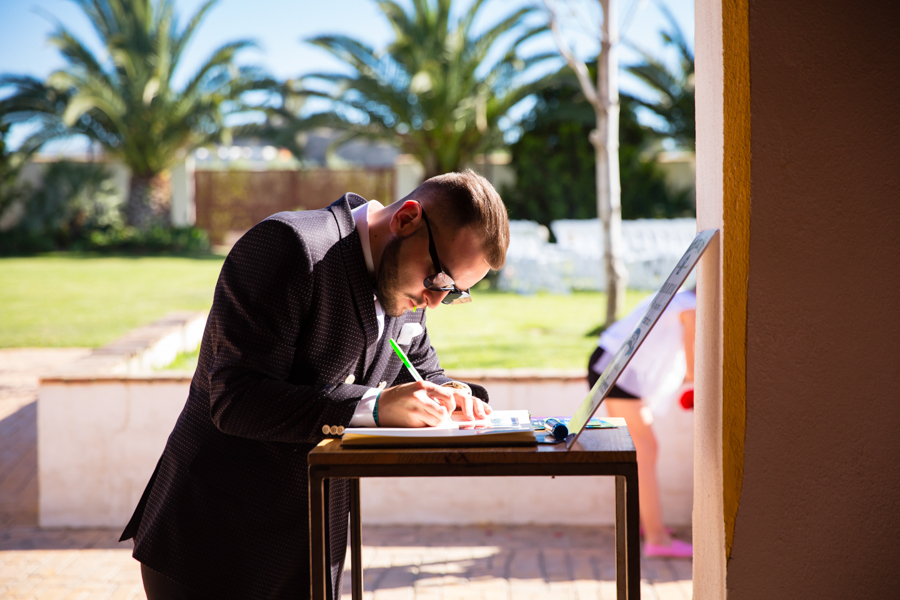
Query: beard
[(393, 301)]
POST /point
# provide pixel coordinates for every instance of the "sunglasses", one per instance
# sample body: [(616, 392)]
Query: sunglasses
[(440, 281)]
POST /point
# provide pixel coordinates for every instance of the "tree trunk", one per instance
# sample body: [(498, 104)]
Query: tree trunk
[(432, 166), (606, 145), (149, 201)]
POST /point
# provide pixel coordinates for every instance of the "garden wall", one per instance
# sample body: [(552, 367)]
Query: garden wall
[(100, 434)]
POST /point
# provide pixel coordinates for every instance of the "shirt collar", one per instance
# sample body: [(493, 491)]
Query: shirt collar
[(361, 216)]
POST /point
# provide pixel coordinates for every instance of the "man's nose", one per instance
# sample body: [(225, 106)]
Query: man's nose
[(433, 299)]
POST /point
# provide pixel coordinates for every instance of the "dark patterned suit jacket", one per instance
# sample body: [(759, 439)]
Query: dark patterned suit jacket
[(226, 511)]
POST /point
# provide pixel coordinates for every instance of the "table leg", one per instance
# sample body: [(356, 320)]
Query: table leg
[(356, 572), (317, 535), (621, 541), (628, 544)]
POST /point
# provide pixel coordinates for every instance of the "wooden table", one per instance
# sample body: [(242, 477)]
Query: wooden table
[(597, 452)]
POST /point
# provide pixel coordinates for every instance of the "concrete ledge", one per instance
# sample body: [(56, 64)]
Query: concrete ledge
[(140, 350), (158, 377)]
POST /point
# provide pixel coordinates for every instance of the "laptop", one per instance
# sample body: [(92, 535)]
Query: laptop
[(623, 356)]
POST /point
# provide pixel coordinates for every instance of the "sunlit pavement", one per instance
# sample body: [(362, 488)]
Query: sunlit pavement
[(421, 563)]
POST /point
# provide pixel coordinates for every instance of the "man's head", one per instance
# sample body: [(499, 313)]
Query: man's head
[(456, 218)]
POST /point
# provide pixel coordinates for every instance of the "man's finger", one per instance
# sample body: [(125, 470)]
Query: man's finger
[(466, 406), (448, 402), (442, 395), (429, 419), (432, 407), (478, 408)]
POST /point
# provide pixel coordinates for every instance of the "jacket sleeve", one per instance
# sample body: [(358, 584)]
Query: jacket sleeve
[(424, 357), (261, 301)]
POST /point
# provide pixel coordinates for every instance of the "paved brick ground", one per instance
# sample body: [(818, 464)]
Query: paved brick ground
[(408, 563), (19, 369)]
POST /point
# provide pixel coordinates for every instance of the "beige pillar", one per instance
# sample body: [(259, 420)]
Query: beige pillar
[(723, 201)]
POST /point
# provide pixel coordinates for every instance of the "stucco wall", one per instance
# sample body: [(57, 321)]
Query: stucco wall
[(809, 437), (818, 512)]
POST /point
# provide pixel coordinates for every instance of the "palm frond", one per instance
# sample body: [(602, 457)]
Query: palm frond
[(345, 48), (126, 101), (180, 40), (673, 88), (75, 51), (431, 91), (222, 56)]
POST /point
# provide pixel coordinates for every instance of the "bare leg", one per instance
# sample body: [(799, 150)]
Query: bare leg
[(638, 418)]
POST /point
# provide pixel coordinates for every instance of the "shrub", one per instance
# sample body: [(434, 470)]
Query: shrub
[(79, 208), (158, 239), (74, 199)]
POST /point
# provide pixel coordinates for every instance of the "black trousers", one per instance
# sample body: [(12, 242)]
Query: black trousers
[(615, 392), (159, 587)]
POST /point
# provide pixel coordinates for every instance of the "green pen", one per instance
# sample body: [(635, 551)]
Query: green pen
[(402, 355)]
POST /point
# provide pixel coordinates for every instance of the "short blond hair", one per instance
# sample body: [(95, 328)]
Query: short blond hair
[(466, 199)]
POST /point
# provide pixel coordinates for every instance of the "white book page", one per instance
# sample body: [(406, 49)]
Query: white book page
[(501, 419)]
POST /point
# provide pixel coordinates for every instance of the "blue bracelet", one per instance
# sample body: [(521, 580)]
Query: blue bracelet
[(375, 410)]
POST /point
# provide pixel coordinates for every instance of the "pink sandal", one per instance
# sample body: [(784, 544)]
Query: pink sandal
[(677, 549)]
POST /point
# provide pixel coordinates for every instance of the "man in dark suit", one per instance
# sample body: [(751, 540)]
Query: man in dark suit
[(295, 349)]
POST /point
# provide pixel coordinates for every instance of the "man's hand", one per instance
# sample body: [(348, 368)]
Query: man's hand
[(425, 404), (468, 407)]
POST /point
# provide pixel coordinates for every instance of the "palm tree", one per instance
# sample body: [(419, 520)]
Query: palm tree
[(674, 88), (433, 91), (127, 102)]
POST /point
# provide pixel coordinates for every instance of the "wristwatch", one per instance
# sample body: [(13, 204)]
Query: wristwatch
[(459, 385)]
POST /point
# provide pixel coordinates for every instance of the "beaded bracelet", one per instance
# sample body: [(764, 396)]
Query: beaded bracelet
[(375, 410)]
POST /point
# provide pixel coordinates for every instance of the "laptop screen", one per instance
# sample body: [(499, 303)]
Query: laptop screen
[(622, 357)]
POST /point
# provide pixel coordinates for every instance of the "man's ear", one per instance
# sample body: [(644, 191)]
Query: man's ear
[(407, 218)]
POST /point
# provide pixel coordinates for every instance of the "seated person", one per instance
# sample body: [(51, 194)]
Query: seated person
[(663, 362)]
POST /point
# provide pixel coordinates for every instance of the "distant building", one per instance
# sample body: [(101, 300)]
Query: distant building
[(257, 154)]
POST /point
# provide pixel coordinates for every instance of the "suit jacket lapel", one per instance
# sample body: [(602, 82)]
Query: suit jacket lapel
[(357, 272)]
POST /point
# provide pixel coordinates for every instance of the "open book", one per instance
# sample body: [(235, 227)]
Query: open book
[(501, 428)]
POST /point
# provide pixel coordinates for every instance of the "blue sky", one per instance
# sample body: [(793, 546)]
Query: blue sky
[(279, 26)]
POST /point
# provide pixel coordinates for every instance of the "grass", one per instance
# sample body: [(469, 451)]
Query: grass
[(62, 300), (73, 300), (184, 361), (499, 330), (507, 331)]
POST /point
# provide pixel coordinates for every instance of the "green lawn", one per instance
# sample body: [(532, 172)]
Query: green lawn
[(510, 331), (70, 300), (506, 331)]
